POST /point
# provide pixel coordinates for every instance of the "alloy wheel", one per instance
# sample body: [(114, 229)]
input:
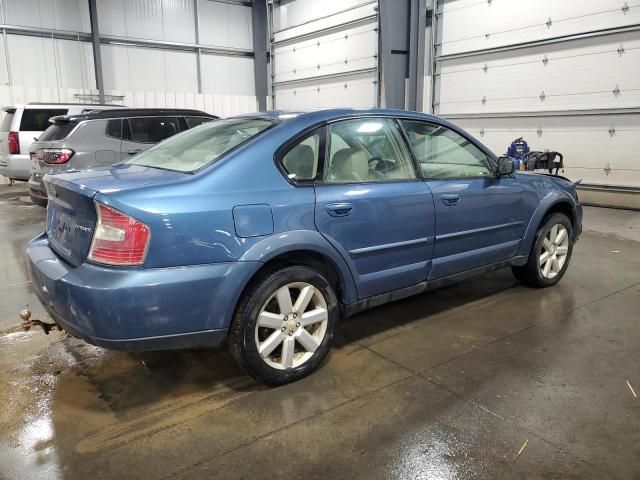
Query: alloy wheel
[(554, 251), (291, 325)]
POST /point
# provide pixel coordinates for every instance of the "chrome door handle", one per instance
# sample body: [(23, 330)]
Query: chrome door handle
[(133, 152), (450, 199), (339, 209)]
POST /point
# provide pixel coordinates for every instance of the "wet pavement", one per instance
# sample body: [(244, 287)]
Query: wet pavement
[(450, 384)]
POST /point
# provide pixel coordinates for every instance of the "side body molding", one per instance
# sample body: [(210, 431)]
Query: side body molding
[(297, 240), (547, 202)]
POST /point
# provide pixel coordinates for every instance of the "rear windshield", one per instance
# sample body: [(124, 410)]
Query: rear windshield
[(57, 131), (6, 121), (200, 146), (37, 119)]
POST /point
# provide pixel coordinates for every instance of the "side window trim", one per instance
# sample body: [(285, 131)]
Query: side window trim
[(492, 166)]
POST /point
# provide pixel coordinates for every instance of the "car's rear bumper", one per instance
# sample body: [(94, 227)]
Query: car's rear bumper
[(37, 192), (137, 308), (16, 166)]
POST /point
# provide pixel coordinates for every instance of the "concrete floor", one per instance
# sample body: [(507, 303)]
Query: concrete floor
[(450, 384)]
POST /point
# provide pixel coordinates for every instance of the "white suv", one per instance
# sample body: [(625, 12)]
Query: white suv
[(22, 124)]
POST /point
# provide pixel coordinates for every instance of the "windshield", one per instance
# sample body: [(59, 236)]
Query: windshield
[(200, 146)]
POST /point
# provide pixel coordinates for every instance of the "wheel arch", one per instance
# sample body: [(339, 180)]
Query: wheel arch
[(303, 248), (553, 202)]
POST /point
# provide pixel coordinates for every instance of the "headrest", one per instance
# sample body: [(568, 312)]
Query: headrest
[(349, 164)]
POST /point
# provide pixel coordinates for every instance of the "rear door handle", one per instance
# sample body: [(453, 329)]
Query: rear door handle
[(450, 198), (133, 152), (339, 209)]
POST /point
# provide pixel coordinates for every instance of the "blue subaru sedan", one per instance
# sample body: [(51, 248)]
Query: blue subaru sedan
[(264, 230)]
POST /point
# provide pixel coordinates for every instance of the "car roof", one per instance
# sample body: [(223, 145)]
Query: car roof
[(307, 118), (132, 112), (34, 105)]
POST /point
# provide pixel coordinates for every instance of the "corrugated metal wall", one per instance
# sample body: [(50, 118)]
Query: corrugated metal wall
[(566, 75), (37, 68), (324, 54)]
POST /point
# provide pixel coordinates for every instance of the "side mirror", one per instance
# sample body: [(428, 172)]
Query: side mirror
[(506, 166)]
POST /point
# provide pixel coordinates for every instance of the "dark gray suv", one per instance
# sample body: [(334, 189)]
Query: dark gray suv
[(79, 142)]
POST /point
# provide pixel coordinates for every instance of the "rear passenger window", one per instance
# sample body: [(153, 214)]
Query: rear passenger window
[(152, 129), (195, 121), (37, 120), (301, 161), (367, 150), (114, 128)]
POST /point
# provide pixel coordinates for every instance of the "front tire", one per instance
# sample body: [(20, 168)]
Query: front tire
[(550, 255), (284, 325)]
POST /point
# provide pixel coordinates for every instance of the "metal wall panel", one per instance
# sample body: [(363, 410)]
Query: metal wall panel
[(50, 63), (503, 67), (4, 72), (325, 55), (227, 74), (151, 69), (225, 24), (181, 74), (149, 53), (356, 91), (170, 20), (71, 15), (296, 12), (474, 25), (579, 74), (343, 51)]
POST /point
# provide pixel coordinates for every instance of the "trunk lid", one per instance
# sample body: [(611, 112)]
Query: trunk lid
[(71, 213), (71, 219)]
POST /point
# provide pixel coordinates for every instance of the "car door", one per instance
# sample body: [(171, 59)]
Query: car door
[(140, 133), (480, 219), (372, 207)]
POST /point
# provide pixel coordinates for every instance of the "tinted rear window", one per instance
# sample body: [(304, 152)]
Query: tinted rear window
[(57, 131), (6, 122), (195, 121), (37, 119)]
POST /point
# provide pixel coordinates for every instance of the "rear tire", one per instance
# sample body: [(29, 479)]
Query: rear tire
[(284, 325), (550, 254)]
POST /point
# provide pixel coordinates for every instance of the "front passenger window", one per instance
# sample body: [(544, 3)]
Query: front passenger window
[(443, 153)]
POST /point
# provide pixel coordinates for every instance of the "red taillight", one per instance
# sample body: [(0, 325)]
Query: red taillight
[(118, 238), (14, 143), (54, 156)]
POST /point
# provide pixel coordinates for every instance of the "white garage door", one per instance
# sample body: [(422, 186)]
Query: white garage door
[(324, 54), (565, 74)]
